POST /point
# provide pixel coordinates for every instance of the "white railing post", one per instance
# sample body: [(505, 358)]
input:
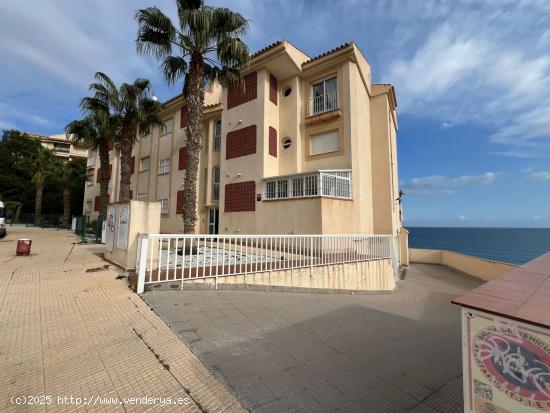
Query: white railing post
[(142, 263)]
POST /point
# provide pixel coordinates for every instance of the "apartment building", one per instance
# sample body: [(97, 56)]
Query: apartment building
[(307, 146), (62, 146)]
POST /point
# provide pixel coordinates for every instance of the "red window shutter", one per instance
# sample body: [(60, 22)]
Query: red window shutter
[(132, 164), (243, 92), (241, 142), (184, 117), (272, 88), (97, 202), (240, 196), (179, 203), (110, 171), (110, 145), (182, 161), (272, 141)]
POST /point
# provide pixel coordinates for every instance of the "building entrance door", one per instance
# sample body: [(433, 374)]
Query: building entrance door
[(213, 216)]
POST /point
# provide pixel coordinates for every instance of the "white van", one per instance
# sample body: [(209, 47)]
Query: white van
[(2, 220)]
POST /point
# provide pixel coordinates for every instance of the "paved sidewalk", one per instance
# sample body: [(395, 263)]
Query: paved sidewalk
[(398, 352), (69, 327)]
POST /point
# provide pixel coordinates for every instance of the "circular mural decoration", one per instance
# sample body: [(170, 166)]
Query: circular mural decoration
[(516, 362)]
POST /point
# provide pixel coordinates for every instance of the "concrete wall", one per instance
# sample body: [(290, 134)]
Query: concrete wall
[(477, 267), (144, 217), (373, 276)]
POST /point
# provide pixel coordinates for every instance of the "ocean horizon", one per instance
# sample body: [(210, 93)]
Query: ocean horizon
[(510, 245)]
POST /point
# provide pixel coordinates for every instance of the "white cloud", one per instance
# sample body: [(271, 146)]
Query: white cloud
[(484, 63), (442, 185), (540, 176)]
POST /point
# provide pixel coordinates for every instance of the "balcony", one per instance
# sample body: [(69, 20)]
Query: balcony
[(332, 184), (323, 103)]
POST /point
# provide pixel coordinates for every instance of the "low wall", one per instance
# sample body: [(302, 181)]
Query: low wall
[(477, 267), (365, 276)]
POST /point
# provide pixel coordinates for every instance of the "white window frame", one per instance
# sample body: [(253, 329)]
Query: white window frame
[(327, 101), (215, 184), (325, 183), (164, 166), (217, 137), (165, 130), (164, 206), (143, 196)]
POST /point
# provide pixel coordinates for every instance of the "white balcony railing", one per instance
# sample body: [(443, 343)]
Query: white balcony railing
[(323, 103), (180, 257), (335, 184)]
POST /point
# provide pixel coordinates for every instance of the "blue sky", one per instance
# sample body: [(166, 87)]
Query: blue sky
[(472, 80)]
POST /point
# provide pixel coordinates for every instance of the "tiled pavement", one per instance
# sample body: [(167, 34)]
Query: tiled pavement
[(69, 327), (330, 352)]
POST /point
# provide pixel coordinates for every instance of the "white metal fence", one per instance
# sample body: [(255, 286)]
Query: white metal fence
[(330, 183), (323, 103), (179, 257)]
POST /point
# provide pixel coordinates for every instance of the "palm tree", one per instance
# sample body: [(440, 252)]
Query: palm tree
[(41, 164), (68, 173), (204, 46), (97, 130), (135, 108)]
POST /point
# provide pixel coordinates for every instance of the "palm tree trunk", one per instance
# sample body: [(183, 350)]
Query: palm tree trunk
[(38, 202), (103, 177), (126, 144), (66, 203), (18, 212), (195, 102)]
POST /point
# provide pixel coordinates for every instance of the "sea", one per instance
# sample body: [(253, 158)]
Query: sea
[(511, 245)]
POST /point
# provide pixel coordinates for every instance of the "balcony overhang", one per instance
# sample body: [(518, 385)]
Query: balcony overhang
[(324, 116)]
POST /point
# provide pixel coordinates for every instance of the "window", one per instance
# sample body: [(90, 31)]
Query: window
[(164, 206), (286, 143), (145, 164), (287, 92), (335, 184), (324, 96), (62, 147), (216, 183), (324, 143), (167, 126), (218, 136), (164, 166), (142, 196)]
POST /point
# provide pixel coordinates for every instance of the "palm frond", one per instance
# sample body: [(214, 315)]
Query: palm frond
[(226, 21), (232, 52), (173, 68), (156, 33)]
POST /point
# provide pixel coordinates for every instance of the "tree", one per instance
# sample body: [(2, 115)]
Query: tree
[(42, 164), (16, 148), (134, 108), (70, 173), (97, 130), (204, 46)]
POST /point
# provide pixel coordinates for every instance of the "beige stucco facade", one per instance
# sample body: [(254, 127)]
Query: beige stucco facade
[(62, 146), (325, 137)]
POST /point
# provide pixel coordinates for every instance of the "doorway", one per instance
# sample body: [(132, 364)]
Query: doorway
[(213, 217)]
